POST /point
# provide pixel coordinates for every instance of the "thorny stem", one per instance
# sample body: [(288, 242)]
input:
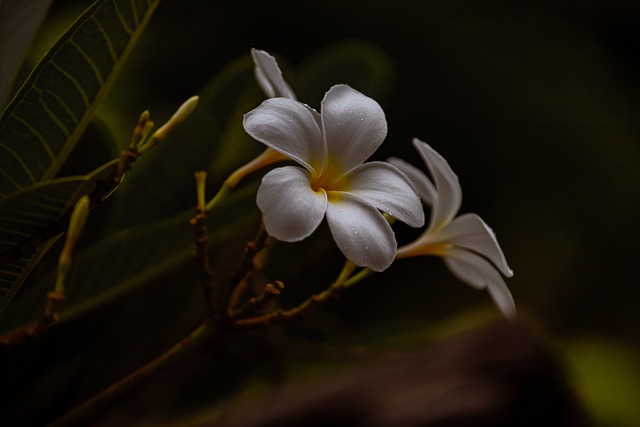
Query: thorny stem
[(280, 316), (200, 255), (193, 340)]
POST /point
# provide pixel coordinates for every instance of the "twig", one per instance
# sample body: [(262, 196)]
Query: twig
[(246, 265), (200, 254), (280, 316), (253, 305)]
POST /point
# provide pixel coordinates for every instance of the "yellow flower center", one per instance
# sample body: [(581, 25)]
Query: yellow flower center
[(328, 180)]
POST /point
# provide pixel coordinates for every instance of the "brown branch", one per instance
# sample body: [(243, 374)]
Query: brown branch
[(281, 315), (245, 268), (344, 281), (200, 255), (255, 304)]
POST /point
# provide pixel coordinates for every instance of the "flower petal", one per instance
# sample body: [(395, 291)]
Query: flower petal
[(354, 126), (423, 184), (291, 210), (385, 187), (361, 232), (471, 232), (289, 127), (477, 272), (269, 76), (447, 184)]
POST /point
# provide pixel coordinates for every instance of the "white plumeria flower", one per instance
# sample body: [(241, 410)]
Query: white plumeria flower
[(270, 80), (466, 244), (333, 179), (269, 76)]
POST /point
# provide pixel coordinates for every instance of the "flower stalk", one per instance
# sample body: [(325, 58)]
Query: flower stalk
[(200, 254), (344, 281)]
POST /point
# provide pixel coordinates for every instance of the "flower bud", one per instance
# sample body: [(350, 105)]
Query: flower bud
[(178, 117)]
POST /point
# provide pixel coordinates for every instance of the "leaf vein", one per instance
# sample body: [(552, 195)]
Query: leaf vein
[(122, 20), (56, 120), (136, 19), (112, 52), (10, 179), (20, 162), (38, 135), (87, 58), (26, 213), (64, 105), (21, 220), (73, 80)]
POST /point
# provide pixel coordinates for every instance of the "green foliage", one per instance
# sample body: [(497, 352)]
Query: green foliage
[(32, 210), (150, 234), (46, 118), (146, 241), (486, 89)]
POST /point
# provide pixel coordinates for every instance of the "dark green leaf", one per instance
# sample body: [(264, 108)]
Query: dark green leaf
[(44, 120), (138, 256), (31, 211)]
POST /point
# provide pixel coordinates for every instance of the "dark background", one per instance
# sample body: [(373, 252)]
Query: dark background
[(534, 104)]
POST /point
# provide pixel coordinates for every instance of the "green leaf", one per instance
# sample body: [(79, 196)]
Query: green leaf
[(45, 119), (34, 211), (135, 257)]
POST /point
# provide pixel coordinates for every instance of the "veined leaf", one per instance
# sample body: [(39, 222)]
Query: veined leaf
[(44, 120), (34, 210), (138, 256)]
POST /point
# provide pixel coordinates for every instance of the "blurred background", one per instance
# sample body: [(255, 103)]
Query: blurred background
[(536, 106)]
